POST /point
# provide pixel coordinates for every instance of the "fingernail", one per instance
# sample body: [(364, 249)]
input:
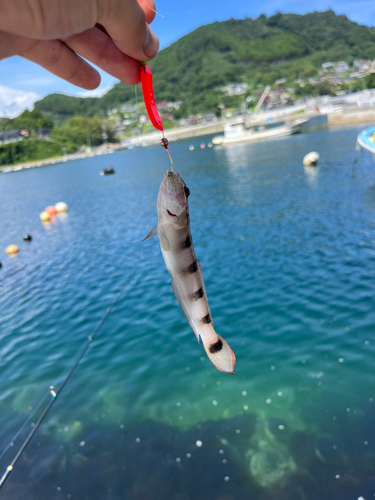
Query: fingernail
[(151, 45)]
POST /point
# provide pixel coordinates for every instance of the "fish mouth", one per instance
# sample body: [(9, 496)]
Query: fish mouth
[(172, 215)]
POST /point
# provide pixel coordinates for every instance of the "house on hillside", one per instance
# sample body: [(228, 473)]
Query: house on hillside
[(44, 132), (12, 136)]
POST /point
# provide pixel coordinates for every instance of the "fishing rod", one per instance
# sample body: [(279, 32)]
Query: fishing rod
[(54, 395)]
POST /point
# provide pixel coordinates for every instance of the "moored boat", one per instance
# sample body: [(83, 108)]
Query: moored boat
[(237, 132), (366, 139)]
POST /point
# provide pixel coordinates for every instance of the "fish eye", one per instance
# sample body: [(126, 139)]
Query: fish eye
[(187, 191)]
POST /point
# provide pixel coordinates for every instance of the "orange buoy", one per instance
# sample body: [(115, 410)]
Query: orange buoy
[(11, 249), (44, 216), (51, 210)]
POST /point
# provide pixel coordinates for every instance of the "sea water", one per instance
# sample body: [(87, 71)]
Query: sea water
[(288, 258)]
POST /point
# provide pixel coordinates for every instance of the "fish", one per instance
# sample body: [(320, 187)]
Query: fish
[(173, 231)]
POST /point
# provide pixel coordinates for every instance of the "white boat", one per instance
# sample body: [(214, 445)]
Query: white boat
[(237, 132), (366, 139), (242, 130), (125, 145)]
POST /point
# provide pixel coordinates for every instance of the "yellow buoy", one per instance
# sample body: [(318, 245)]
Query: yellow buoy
[(11, 249), (44, 216)]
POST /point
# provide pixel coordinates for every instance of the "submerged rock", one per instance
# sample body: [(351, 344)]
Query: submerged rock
[(68, 432), (79, 460), (268, 466), (283, 398), (270, 459), (51, 460)]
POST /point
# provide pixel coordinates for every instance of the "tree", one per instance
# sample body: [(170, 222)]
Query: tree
[(32, 121), (325, 88), (81, 131), (370, 81)]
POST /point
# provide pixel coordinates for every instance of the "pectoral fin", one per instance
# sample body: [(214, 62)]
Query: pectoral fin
[(153, 232), (164, 242)]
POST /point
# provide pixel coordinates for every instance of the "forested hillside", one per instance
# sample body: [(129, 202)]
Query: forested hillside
[(256, 51)]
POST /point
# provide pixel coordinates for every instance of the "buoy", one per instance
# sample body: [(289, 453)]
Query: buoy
[(44, 216), (311, 159), (27, 237), (209, 145), (11, 249), (202, 145), (51, 210), (61, 207), (191, 147), (107, 171)]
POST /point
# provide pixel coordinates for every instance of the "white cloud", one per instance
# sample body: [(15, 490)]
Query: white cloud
[(13, 101), (99, 92), (30, 82)]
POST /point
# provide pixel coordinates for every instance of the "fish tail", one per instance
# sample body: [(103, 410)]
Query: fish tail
[(220, 354)]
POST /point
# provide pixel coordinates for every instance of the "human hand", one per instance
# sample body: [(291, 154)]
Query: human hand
[(56, 34)]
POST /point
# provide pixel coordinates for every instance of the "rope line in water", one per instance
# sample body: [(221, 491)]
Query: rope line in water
[(358, 150), (54, 395)]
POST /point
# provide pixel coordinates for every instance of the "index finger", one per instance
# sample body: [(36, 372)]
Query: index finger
[(125, 22)]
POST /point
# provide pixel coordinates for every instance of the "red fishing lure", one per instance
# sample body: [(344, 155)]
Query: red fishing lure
[(148, 96), (152, 110)]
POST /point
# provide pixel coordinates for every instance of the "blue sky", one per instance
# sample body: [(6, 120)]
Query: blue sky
[(22, 82)]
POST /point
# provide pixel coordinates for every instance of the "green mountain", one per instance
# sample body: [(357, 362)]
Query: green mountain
[(257, 52)]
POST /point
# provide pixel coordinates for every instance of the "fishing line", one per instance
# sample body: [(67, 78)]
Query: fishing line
[(151, 107), (153, 10), (54, 395), (170, 157), (32, 414)]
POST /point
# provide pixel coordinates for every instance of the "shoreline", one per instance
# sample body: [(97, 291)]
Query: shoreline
[(334, 119), (352, 117)]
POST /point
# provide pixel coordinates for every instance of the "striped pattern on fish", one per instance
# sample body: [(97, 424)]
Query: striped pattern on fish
[(176, 243)]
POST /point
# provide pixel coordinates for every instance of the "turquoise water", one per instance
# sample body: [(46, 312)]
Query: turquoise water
[(288, 256)]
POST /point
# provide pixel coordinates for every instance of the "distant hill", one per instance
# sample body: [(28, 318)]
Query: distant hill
[(256, 51)]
